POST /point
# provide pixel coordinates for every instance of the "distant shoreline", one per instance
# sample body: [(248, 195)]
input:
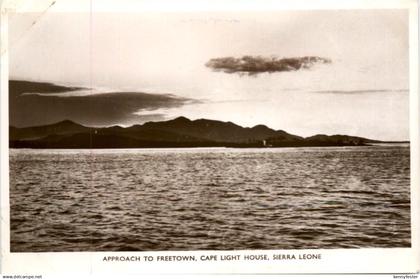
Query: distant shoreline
[(384, 144), (180, 132), (390, 142)]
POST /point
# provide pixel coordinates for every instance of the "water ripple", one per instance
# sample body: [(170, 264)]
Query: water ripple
[(212, 199)]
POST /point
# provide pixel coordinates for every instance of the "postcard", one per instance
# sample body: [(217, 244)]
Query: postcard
[(198, 137)]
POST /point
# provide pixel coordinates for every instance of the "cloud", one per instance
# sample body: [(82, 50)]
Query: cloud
[(360, 91), (17, 87), (97, 110), (252, 65)]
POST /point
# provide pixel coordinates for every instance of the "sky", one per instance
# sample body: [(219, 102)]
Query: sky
[(362, 90)]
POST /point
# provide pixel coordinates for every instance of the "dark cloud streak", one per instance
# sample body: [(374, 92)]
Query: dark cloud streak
[(253, 65), (17, 87), (95, 110), (359, 91)]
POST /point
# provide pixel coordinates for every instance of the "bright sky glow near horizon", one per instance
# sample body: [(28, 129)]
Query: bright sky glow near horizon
[(363, 92)]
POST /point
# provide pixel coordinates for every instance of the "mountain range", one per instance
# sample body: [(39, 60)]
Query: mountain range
[(179, 132)]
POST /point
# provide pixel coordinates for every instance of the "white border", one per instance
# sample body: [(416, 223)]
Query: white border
[(392, 260), (115, 6), (4, 135)]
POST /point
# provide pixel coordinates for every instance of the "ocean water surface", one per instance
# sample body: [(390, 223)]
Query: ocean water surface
[(209, 199)]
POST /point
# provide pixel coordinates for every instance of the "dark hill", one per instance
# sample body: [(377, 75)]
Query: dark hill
[(338, 140), (65, 127), (179, 132), (218, 131)]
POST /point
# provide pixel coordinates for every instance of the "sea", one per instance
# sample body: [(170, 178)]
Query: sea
[(209, 199)]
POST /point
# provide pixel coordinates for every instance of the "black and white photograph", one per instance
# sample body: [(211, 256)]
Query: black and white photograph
[(222, 131), (209, 130)]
